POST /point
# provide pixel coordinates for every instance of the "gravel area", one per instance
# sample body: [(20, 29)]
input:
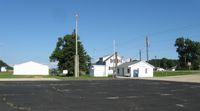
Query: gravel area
[(195, 78)]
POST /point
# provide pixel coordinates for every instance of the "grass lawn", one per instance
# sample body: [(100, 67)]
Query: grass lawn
[(85, 76), (10, 75), (174, 73), (156, 74)]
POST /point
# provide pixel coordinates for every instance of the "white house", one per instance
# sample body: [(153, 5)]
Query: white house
[(31, 68), (3, 69), (135, 69), (104, 66), (98, 71)]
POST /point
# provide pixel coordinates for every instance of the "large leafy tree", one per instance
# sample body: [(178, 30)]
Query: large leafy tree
[(181, 49), (188, 51), (64, 54), (3, 64)]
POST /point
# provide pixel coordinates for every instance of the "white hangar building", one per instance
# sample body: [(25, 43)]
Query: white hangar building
[(31, 68)]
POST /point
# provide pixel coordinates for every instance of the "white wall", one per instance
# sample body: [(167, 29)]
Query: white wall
[(3, 69), (110, 63), (31, 68), (123, 71), (98, 71), (142, 66), (107, 69)]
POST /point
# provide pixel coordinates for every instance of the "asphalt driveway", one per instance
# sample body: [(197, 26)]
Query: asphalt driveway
[(99, 95)]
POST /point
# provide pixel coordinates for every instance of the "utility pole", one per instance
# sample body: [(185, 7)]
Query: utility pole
[(155, 61), (140, 53), (158, 61), (147, 47), (76, 67), (115, 59), (93, 57), (116, 62)]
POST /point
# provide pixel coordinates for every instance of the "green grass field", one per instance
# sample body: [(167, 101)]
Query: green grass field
[(156, 74), (10, 75), (174, 73), (85, 76)]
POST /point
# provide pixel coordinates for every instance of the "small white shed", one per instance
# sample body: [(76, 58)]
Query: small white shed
[(135, 69), (31, 68), (3, 69), (98, 71)]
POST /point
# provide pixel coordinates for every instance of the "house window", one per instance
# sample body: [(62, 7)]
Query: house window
[(128, 70), (146, 70), (111, 60), (117, 71)]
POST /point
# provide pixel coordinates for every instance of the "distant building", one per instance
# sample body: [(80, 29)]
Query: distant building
[(3, 69), (160, 69), (31, 68), (135, 69), (173, 68), (105, 65)]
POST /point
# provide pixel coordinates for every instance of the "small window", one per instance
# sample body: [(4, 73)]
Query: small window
[(112, 60), (146, 70), (128, 70)]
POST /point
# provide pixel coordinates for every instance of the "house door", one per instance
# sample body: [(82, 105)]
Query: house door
[(135, 73)]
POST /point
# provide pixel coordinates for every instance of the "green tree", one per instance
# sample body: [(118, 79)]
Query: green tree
[(163, 63), (188, 51), (64, 54), (181, 49), (3, 64)]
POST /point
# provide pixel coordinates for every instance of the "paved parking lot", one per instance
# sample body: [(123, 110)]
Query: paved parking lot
[(99, 95)]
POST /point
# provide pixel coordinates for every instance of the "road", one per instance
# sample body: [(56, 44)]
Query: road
[(99, 95)]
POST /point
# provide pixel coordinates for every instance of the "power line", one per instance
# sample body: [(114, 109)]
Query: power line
[(158, 33), (126, 43), (140, 53), (176, 29)]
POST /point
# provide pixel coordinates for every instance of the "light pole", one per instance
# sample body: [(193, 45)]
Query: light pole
[(76, 67)]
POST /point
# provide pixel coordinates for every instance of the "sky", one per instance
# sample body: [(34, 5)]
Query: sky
[(29, 29)]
